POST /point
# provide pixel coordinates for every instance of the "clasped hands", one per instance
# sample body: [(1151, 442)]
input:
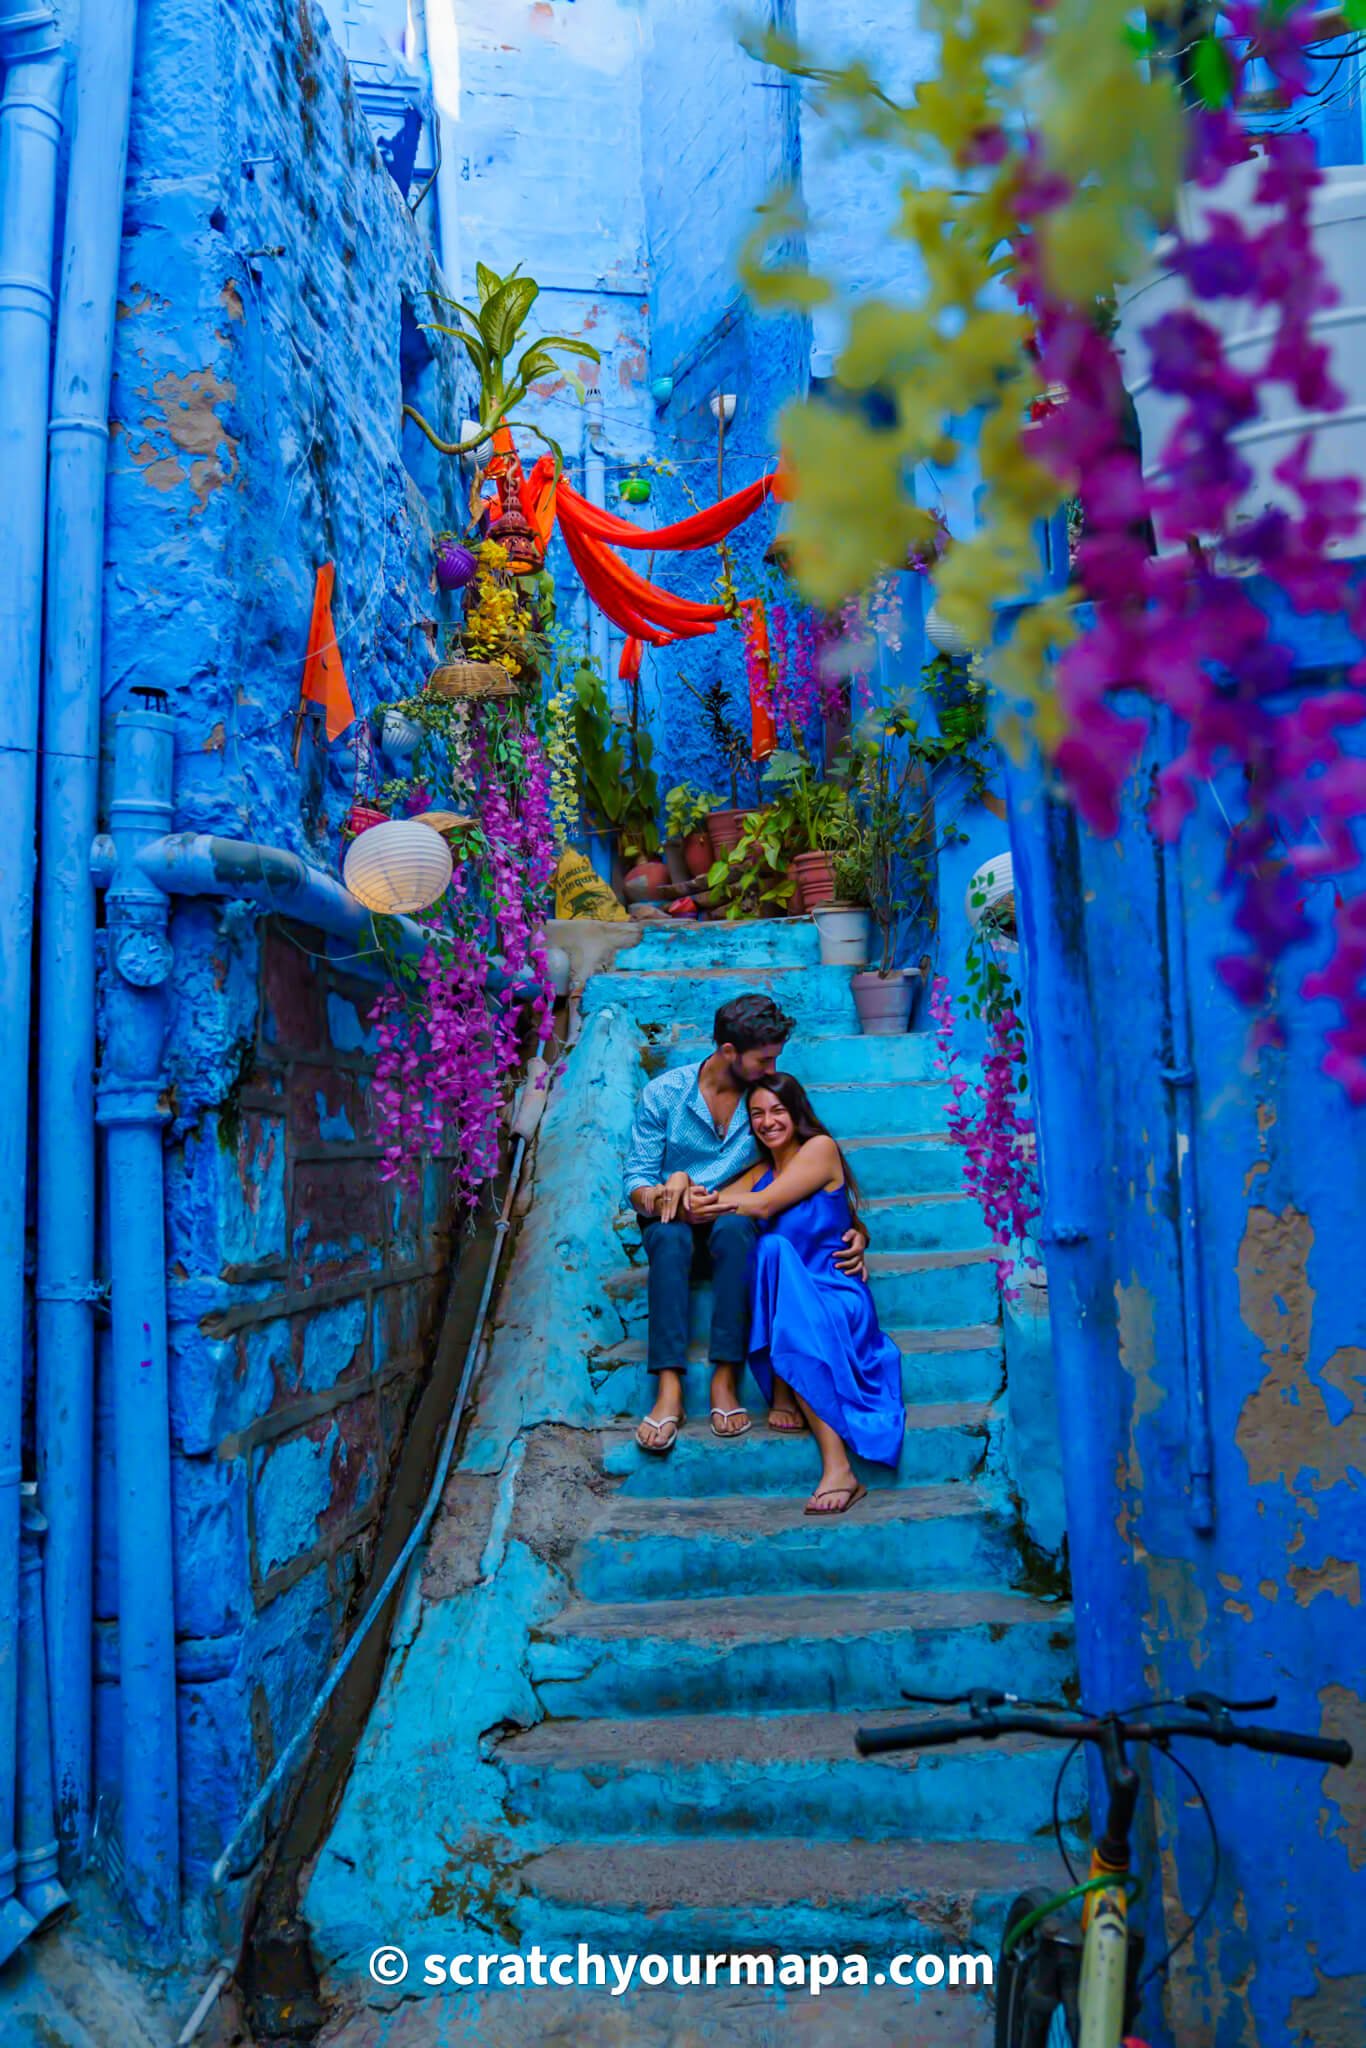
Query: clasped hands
[(682, 1196)]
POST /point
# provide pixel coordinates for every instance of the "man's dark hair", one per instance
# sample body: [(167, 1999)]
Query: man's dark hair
[(751, 1021)]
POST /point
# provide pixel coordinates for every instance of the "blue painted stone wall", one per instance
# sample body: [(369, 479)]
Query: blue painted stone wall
[(1270, 1601), (267, 264)]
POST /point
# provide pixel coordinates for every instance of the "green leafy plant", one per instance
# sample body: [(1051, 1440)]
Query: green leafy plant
[(687, 808), (489, 334), (816, 816), (904, 820), (619, 787), (751, 879), (726, 737)]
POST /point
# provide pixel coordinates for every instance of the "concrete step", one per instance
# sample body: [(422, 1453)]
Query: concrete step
[(676, 1546), (911, 1290), (943, 1442), (810, 1651), (669, 1004), (790, 1895), (684, 948), (687, 2012), (905, 1163), (931, 1222), (694, 1776), (936, 1365), (877, 1109), (823, 1061)]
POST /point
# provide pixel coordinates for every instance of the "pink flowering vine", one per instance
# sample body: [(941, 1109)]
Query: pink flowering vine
[(998, 1143), (1183, 629), (448, 1048)]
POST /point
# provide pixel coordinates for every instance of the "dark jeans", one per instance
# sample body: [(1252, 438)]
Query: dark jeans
[(681, 1253)]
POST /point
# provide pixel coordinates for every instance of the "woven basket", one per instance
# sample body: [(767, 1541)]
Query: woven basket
[(443, 821), (471, 679)]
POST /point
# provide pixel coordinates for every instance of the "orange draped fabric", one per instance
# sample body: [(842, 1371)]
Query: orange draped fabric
[(701, 530), (641, 609), (762, 728)]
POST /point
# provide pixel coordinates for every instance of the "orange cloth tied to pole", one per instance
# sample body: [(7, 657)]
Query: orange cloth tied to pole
[(324, 680), (762, 727)]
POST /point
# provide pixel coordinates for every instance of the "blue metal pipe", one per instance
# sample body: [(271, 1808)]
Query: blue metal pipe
[(78, 440), (1074, 1229), (30, 131), (198, 864), (40, 1891), (1179, 1076), (130, 1109)]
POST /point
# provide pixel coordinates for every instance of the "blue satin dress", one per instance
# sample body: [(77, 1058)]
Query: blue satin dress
[(816, 1327)]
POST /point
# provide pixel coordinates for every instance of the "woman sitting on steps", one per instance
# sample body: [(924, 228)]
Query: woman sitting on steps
[(815, 1340)]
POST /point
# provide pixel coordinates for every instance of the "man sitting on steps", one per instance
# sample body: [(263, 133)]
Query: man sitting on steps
[(692, 1130)]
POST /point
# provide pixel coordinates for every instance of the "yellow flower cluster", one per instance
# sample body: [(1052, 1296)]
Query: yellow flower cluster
[(563, 759), (999, 71), (495, 622)]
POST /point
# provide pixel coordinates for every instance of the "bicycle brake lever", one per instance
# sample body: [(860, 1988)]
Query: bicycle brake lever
[(979, 1701)]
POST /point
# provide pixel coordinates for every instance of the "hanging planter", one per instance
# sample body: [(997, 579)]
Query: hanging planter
[(397, 867), (471, 679), (399, 735), (362, 818), (634, 490), (456, 565), (944, 638), (990, 901)]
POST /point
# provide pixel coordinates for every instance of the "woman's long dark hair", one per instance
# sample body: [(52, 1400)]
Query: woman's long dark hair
[(805, 1124)]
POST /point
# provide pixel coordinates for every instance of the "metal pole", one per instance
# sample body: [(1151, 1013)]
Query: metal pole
[(39, 1889)]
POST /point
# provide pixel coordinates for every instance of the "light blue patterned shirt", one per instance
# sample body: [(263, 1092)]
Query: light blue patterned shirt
[(673, 1133)]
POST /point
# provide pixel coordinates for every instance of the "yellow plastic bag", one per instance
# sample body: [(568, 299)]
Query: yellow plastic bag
[(581, 893)]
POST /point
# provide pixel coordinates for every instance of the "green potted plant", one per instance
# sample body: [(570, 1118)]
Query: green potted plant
[(844, 923), (892, 784), (817, 818), (751, 878), (686, 810), (618, 787), (733, 747)]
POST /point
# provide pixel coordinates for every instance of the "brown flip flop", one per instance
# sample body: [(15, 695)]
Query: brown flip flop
[(856, 1493), (794, 1424)]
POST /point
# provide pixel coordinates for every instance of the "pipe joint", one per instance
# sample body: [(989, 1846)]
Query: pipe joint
[(131, 1103), (142, 951)]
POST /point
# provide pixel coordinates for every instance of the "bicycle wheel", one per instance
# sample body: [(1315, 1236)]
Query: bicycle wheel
[(1036, 1981)]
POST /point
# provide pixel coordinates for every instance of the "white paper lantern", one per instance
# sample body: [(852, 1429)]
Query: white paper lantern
[(398, 867), (991, 898), (944, 638)]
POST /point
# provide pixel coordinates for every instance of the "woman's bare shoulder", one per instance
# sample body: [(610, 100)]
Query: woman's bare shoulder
[(824, 1152)]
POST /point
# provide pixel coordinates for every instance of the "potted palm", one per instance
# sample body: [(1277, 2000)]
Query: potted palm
[(818, 819)]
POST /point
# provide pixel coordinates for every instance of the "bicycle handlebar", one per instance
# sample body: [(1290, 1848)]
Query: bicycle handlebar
[(986, 1726)]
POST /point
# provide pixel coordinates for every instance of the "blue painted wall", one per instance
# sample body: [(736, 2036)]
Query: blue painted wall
[(267, 265), (1270, 1600)]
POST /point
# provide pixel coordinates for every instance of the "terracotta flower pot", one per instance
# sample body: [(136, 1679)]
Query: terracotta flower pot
[(796, 902), (816, 873), (361, 817), (647, 881), (697, 852), (725, 828)]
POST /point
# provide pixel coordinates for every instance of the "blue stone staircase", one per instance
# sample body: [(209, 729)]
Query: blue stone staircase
[(694, 1784)]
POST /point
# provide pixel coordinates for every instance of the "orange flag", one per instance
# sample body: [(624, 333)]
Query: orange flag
[(324, 673)]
